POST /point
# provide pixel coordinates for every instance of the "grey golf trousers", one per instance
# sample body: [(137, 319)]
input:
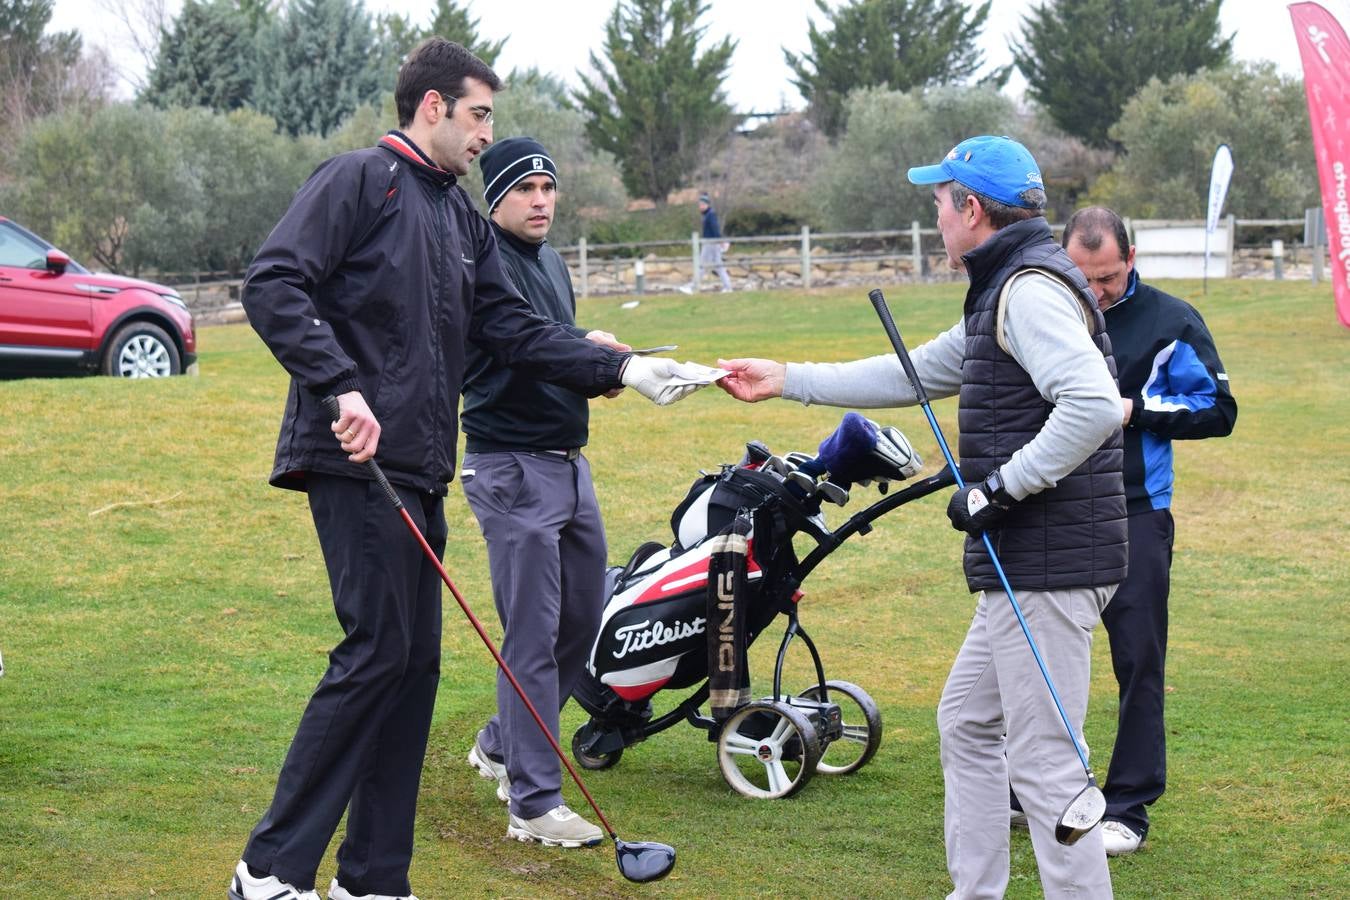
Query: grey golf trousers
[(546, 552), (995, 689)]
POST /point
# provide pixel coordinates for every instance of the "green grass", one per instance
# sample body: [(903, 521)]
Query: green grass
[(160, 651)]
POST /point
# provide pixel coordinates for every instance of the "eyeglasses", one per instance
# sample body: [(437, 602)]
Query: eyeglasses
[(482, 115)]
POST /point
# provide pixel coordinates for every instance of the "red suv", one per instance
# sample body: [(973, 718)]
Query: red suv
[(58, 318)]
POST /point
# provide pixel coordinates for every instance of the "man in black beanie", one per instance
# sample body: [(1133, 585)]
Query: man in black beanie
[(530, 487)]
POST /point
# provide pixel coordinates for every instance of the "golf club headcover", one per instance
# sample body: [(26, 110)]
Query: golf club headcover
[(755, 453), (978, 507), (894, 447), (860, 449), (846, 447)]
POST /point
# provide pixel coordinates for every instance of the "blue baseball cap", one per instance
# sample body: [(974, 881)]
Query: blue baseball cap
[(997, 167)]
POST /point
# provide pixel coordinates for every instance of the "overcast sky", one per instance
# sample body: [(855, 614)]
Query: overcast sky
[(558, 35)]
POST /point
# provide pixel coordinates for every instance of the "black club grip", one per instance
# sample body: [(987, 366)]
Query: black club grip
[(888, 323), (335, 412)]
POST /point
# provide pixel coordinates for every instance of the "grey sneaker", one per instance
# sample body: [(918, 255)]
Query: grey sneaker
[(490, 768), (559, 827)]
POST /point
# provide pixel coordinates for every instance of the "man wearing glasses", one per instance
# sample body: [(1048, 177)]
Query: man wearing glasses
[(371, 289)]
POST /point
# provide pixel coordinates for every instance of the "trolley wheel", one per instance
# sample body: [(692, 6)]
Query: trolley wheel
[(768, 750), (862, 728), (592, 761)]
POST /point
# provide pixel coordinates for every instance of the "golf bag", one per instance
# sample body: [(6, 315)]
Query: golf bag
[(654, 631), (683, 615)]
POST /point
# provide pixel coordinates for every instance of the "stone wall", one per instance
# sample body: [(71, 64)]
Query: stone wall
[(217, 302)]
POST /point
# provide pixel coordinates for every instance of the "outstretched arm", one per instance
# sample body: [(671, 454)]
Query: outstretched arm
[(752, 380)]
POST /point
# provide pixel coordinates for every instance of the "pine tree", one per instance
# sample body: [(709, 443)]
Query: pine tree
[(895, 44), (207, 59), (396, 36), (33, 65), (452, 22), (316, 65), (658, 106), (1084, 59)]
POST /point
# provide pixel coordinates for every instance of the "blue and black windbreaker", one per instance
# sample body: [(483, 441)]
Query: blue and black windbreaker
[(1166, 362)]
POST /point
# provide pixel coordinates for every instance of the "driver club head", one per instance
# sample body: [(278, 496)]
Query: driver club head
[(1083, 814), (643, 861)]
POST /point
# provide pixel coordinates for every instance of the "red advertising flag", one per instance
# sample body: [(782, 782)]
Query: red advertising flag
[(1326, 78)]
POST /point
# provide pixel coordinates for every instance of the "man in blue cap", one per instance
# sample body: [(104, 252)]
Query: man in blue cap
[(1041, 456)]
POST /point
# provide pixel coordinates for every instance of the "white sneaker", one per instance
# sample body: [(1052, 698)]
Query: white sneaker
[(338, 892), (245, 887), (559, 827), (489, 768), (1017, 819), (1120, 839), (685, 289)]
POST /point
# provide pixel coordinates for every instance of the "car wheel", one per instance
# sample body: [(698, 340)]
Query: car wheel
[(142, 350)]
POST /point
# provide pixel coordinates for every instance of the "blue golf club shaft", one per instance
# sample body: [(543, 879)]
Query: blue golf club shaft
[(887, 322)]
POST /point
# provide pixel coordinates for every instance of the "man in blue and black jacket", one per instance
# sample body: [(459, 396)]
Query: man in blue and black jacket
[(1173, 387)]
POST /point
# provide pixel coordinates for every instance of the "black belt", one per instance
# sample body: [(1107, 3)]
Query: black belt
[(568, 455)]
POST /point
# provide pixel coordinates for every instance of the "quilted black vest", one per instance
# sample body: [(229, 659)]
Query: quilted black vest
[(1072, 535)]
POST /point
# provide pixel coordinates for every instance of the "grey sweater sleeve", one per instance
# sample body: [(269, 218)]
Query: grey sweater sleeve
[(879, 381), (1044, 331)]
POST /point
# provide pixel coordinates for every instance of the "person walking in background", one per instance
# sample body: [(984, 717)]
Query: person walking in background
[(711, 248), (372, 287), (1173, 387), (530, 487), (1041, 456)]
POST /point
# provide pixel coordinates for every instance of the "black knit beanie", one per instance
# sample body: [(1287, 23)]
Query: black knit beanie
[(507, 162)]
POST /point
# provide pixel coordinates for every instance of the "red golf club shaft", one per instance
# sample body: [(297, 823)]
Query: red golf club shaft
[(501, 664), (331, 404)]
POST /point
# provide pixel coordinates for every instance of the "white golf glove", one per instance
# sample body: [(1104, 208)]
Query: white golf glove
[(664, 381)]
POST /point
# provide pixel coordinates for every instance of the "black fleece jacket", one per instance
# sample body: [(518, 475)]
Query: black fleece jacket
[(379, 278), (509, 410)]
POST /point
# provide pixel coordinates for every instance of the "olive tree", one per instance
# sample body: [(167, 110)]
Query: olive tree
[(1170, 130), (861, 185), (91, 197)]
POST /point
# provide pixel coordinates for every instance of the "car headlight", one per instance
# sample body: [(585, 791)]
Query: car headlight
[(176, 301)]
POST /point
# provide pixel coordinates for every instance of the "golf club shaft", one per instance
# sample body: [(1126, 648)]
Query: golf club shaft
[(888, 323), (501, 663), (378, 473)]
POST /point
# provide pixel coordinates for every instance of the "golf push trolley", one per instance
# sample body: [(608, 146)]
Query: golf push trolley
[(667, 624)]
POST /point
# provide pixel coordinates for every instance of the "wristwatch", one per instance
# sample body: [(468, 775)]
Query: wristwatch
[(998, 494)]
